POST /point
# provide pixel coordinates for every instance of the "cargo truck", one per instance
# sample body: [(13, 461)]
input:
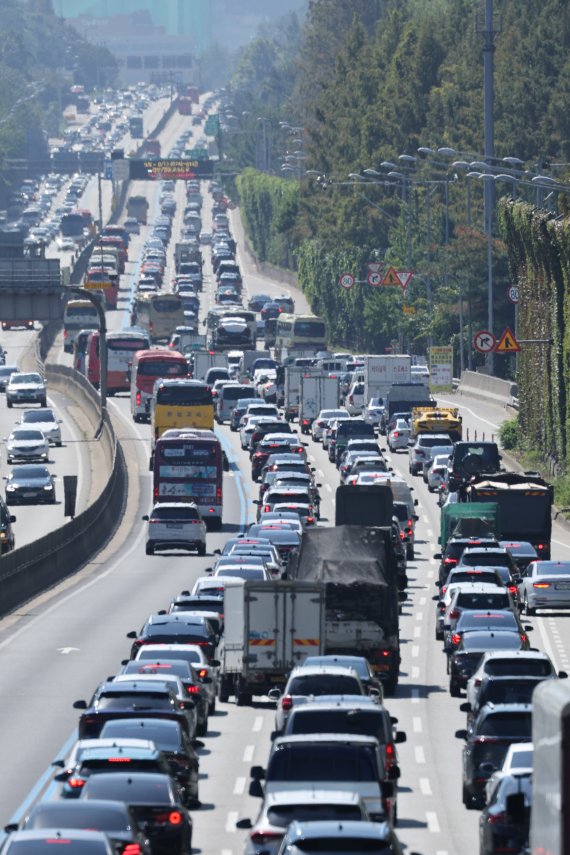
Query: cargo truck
[(470, 519), (317, 392), (137, 207), (358, 570), (205, 359), (269, 628), (383, 371), (525, 502), (292, 391), (136, 127), (403, 397)]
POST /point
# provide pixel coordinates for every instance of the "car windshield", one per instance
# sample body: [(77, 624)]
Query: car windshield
[(344, 845), (324, 684), (143, 788), (184, 512), (508, 692), (17, 379), (82, 815), (364, 722), (522, 666), (551, 569), (486, 559), (482, 601), (30, 473), (507, 724), (134, 700), (476, 620), (35, 416), (323, 762), (27, 434), (181, 653), (165, 738)]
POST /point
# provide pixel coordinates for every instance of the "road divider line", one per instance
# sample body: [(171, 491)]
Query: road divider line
[(239, 786), (415, 696), (430, 533), (257, 723), (415, 673), (423, 601), (231, 821), (420, 615), (425, 787), (248, 753), (419, 754), (417, 631), (432, 822), (417, 724), (415, 651)]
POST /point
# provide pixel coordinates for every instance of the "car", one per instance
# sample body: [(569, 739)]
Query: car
[(30, 484), (275, 443), (453, 552), (248, 569), (7, 537), (437, 473), (156, 802), (544, 585), (473, 596), (518, 760), (530, 663), (469, 650), (44, 420), (26, 444), (276, 495), (144, 757), (186, 690), (419, 452), (116, 819), (132, 226), (494, 621), (470, 458), (279, 809), (343, 838), (399, 436), (26, 388), (176, 628), (194, 655), (41, 842), (521, 551), (374, 411), (6, 372), (436, 451), (501, 690), (504, 824), (306, 681), (172, 741), (488, 556), (318, 425), (287, 520), (175, 525)]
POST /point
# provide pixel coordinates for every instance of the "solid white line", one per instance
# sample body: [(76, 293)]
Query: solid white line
[(239, 787), (329, 488), (248, 753), (257, 723), (231, 821), (415, 651), (432, 822), (420, 755), (545, 641), (425, 787), (417, 724)]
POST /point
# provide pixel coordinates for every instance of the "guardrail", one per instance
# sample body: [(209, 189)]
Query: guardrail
[(488, 387)]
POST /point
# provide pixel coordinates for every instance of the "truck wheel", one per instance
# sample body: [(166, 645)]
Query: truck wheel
[(243, 699), (390, 686), (224, 690)]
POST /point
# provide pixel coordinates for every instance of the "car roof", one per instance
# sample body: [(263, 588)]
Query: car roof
[(337, 829), (309, 670), (477, 588), (77, 834), (135, 751), (301, 796), (320, 738)]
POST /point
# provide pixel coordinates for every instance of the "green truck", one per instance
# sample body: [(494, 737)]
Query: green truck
[(470, 519)]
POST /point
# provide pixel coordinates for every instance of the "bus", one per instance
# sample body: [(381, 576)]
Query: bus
[(189, 467), (121, 346), (147, 367), (104, 280), (298, 331), (180, 404), (159, 313), (72, 225), (78, 315), (185, 106)]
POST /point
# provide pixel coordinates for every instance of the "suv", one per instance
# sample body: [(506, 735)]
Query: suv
[(454, 550), (420, 452), (471, 458), (26, 389), (175, 525)]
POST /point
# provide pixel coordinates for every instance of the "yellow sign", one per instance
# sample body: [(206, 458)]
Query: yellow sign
[(409, 310), (507, 343), (392, 278), (92, 285)]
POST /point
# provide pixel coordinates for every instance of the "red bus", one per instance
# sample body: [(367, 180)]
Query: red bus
[(147, 367), (101, 275), (185, 106), (189, 467), (121, 347)]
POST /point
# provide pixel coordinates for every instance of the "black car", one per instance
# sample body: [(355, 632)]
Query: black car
[(129, 700), (471, 458), (6, 372), (175, 629), (156, 802), (174, 743), (270, 310), (7, 539), (41, 842), (504, 824), (486, 742), (258, 301), (111, 759), (32, 485), (116, 819), (498, 620), (502, 690), (454, 550), (473, 645)]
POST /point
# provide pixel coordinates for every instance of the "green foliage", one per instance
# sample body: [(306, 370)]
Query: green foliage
[(269, 207), (509, 434)]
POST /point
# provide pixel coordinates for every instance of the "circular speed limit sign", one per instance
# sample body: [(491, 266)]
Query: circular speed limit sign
[(513, 293), (346, 280)]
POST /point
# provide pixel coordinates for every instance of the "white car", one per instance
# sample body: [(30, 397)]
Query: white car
[(437, 472), (175, 525), (319, 424), (374, 411), (45, 421), (26, 389), (26, 444)]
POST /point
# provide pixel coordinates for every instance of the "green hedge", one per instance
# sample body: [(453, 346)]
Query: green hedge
[(269, 207)]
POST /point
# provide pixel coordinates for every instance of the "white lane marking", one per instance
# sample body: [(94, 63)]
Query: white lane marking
[(425, 519), (425, 787), (248, 753), (257, 723), (239, 787), (230, 852), (430, 533), (419, 754), (417, 724), (546, 642), (467, 410), (415, 651), (415, 696), (415, 672), (432, 822), (231, 821), (312, 458), (429, 574), (329, 488), (423, 601), (65, 650), (320, 473), (420, 615), (417, 631)]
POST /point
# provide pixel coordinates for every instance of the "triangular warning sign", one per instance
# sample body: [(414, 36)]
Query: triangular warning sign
[(391, 277), (507, 343)]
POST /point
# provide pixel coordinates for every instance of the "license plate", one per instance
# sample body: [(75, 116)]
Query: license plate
[(177, 526), (28, 495), (563, 586)]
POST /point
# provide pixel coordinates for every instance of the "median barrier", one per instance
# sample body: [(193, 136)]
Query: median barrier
[(485, 386)]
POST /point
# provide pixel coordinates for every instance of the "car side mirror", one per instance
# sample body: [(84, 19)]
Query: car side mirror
[(435, 598), (461, 734), (402, 596), (437, 556), (374, 692), (562, 675), (80, 705), (387, 788), (400, 736), (189, 705), (12, 826), (215, 663), (61, 777), (255, 789), (274, 694), (415, 517), (206, 680), (145, 517), (217, 551), (465, 707), (394, 773), (257, 773), (528, 628), (132, 634), (255, 501), (12, 518), (162, 612), (59, 764), (125, 661), (244, 823), (415, 503)]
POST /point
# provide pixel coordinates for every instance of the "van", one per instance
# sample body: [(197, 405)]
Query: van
[(228, 395)]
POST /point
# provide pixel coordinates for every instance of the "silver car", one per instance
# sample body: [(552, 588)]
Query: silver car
[(545, 585), (26, 444), (45, 421), (399, 436), (437, 472), (421, 450), (319, 424), (374, 411), (26, 389)]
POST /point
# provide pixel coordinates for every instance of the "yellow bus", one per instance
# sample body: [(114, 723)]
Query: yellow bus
[(159, 313), (180, 403), (295, 332)]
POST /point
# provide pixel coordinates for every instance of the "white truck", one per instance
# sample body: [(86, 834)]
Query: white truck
[(381, 372), (317, 392), (550, 818), (292, 391), (269, 628), (205, 359)]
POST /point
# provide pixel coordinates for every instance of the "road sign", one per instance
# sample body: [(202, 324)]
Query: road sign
[(374, 278), (484, 341), (196, 153), (346, 280), (391, 278), (513, 293), (409, 310), (404, 276), (507, 343)]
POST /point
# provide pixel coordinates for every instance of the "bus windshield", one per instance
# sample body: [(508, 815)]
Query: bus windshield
[(161, 368), (184, 395), (310, 328)]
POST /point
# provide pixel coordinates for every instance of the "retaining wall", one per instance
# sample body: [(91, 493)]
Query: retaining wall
[(487, 387)]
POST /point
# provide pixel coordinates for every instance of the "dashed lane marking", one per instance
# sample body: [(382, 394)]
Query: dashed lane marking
[(415, 696), (231, 820), (329, 488), (417, 724), (248, 753), (425, 787), (432, 822), (417, 631), (420, 615), (415, 651), (239, 787), (415, 673), (257, 724), (423, 601), (420, 755)]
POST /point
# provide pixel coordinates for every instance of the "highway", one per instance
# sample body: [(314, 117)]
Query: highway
[(61, 645)]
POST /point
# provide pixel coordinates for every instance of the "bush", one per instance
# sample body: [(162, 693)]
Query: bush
[(509, 434)]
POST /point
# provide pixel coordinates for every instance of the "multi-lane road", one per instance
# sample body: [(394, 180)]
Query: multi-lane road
[(60, 646)]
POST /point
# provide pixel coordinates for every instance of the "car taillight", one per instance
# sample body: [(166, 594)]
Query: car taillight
[(499, 818), (310, 520), (267, 508), (132, 849), (454, 613), (512, 589), (155, 493), (300, 449), (396, 433), (175, 817), (305, 422), (138, 398), (449, 561), (478, 682), (192, 690), (541, 584), (261, 837), (203, 672), (286, 702), (402, 535), (76, 783), (524, 637), (455, 638)]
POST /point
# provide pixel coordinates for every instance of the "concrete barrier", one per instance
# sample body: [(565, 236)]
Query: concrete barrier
[(485, 386)]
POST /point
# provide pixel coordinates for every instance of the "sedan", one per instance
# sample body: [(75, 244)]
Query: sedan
[(373, 412), (399, 436), (26, 444), (6, 372), (40, 842), (26, 389), (33, 484), (545, 585), (45, 421)]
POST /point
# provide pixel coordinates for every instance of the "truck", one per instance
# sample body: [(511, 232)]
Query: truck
[(317, 392), (550, 817), (205, 359), (437, 420), (151, 148), (383, 371), (357, 567), (292, 391), (525, 500), (269, 628), (469, 519), (136, 127), (403, 397), (137, 207), (186, 252), (185, 106), (247, 360)]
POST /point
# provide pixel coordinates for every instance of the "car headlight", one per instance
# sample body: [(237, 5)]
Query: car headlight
[(48, 487), (10, 487)]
